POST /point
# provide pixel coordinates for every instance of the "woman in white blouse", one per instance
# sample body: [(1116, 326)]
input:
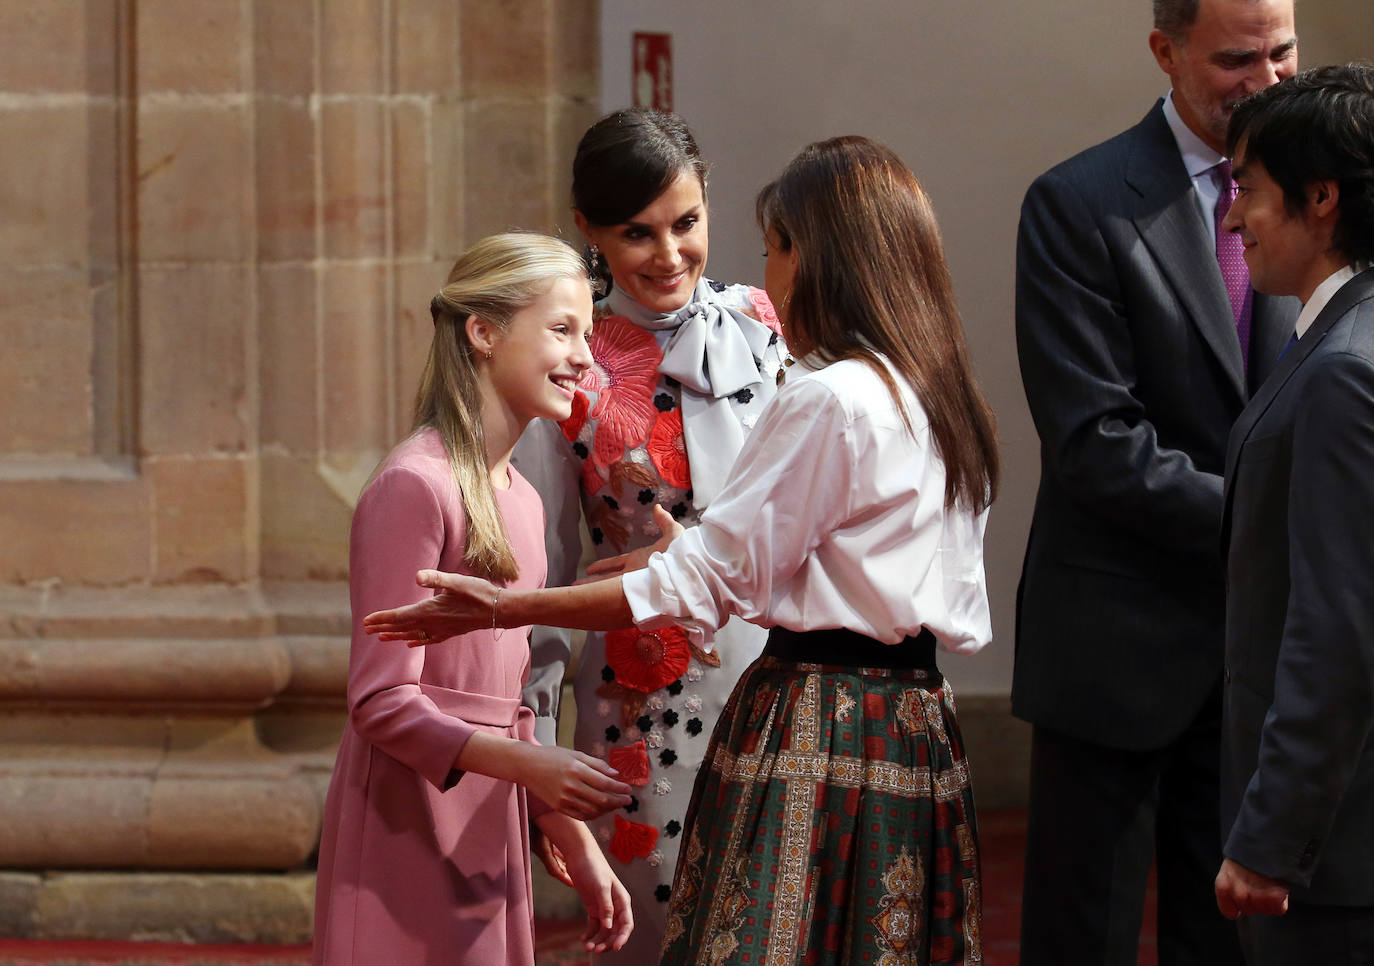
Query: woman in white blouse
[(833, 819)]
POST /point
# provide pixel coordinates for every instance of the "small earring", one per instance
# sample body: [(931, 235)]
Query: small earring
[(488, 355), (596, 272)]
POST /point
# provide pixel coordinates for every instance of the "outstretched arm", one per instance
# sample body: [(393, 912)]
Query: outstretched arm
[(467, 603)]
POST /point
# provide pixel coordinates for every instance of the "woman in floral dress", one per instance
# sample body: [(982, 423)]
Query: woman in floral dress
[(683, 368)]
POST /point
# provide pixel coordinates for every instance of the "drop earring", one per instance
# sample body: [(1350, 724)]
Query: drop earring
[(596, 271)]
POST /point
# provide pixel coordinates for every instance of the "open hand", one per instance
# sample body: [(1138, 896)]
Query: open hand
[(1243, 892), (639, 559), (609, 919), (463, 604)]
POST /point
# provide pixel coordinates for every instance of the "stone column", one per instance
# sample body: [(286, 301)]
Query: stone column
[(224, 221)]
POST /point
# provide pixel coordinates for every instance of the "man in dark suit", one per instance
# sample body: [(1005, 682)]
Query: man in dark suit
[(1136, 357), (1298, 726)]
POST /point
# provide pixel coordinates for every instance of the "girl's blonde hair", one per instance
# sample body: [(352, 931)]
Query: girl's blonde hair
[(493, 280)]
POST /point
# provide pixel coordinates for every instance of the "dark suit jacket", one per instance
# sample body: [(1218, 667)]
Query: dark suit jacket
[(1298, 752), (1134, 376)]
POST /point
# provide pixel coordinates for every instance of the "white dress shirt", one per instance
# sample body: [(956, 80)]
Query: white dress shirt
[(1198, 160), (832, 516), (1322, 294)]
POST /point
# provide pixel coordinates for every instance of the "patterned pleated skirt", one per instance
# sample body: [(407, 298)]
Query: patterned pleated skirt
[(832, 821)]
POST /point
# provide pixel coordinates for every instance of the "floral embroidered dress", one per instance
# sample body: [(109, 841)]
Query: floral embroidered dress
[(659, 421)]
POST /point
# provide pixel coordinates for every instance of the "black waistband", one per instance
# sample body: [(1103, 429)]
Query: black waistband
[(852, 649)]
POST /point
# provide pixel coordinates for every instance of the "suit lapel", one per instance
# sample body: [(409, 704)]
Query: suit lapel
[(1270, 326), (1356, 290), (1173, 228)]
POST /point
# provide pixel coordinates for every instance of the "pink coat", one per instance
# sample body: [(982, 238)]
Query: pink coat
[(420, 863)]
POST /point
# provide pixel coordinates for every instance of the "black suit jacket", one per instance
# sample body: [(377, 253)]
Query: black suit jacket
[(1133, 372), (1298, 754)]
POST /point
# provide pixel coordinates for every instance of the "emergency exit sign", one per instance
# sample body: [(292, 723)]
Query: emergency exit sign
[(653, 71)]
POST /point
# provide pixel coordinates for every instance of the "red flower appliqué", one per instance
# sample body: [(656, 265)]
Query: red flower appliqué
[(632, 761), (574, 423), (763, 305), (632, 840), (648, 660), (627, 357), (668, 449), (592, 480)]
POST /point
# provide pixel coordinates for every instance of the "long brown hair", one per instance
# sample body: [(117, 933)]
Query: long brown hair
[(871, 280), (493, 280)]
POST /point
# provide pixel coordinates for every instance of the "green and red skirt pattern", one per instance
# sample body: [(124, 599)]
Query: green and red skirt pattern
[(832, 823)]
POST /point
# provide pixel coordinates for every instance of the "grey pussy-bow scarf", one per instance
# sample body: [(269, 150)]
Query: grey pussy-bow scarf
[(712, 352)]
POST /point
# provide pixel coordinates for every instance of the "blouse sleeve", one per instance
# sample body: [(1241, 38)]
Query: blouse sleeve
[(398, 528), (790, 487), (546, 461)]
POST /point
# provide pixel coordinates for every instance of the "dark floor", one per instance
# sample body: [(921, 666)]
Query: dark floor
[(1002, 836)]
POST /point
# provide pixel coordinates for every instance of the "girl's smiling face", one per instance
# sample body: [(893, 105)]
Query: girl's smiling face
[(541, 354)]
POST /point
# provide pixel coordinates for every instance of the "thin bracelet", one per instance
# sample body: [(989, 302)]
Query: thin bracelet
[(494, 601)]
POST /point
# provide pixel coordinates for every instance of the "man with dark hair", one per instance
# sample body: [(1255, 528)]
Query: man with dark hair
[(1140, 341), (1298, 726)]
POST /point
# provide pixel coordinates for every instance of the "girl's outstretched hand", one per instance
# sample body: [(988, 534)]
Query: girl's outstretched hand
[(463, 604), (609, 918), (639, 559), (573, 783)]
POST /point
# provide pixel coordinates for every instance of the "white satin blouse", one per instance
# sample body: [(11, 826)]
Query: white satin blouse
[(833, 515)]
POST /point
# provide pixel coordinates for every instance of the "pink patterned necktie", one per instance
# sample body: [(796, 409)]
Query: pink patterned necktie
[(1231, 258)]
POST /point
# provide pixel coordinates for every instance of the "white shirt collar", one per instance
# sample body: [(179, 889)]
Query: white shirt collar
[(1197, 156), (1322, 294)]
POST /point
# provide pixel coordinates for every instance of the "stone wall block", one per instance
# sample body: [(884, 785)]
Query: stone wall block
[(304, 521), (194, 395), (571, 118), (201, 520), (288, 419), (18, 903), (425, 37), (354, 178), (448, 146), (235, 675), (177, 907), (351, 46), (416, 284), (79, 818), (308, 607), (319, 669), (284, 47), (575, 51), (285, 179), (78, 531), (43, 40), (43, 193), (190, 46), (356, 342), (505, 47), (47, 394), (512, 138), (182, 612), (194, 181), (246, 821), (410, 178)]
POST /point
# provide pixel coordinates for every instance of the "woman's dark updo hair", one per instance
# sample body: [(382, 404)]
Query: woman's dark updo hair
[(629, 158)]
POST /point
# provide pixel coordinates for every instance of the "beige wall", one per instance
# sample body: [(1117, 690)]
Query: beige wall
[(978, 98), (223, 222)]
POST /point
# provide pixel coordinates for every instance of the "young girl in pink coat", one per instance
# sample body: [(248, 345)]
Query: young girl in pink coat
[(425, 854)]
